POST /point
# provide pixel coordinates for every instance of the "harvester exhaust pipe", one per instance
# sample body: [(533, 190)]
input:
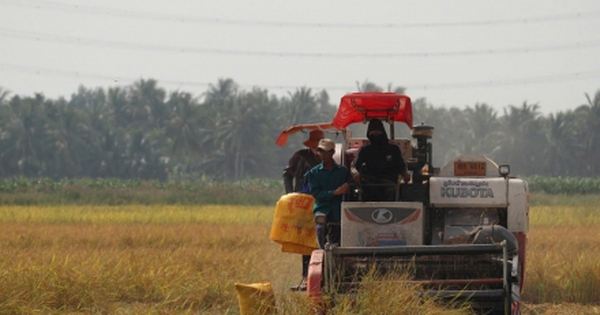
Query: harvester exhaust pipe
[(423, 152)]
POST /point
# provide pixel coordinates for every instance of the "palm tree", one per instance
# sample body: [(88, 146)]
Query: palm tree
[(302, 107), (397, 89), (3, 95), (563, 147), (450, 135), (147, 104), (217, 95), (459, 133), (483, 129), (23, 135), (118, 107), (70, 135), (143, 158), (590, 117), (241, 136), (99, 118), (184, 128), (524, 139), (367, 86)]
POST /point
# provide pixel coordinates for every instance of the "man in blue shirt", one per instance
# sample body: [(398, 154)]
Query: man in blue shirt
[(328, 182)]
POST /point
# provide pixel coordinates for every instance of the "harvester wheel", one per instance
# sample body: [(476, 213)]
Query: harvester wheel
[(314, 283)]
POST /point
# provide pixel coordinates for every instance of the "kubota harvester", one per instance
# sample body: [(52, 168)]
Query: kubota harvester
[(459, 230)]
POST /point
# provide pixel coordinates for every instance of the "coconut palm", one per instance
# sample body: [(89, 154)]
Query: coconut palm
[(218, 94), (184, 129), (240, 137), (368, 86), (524, 139), (483, 130), (146, 104), (590, 118), (3, 96), (558, 156), (397, 89), (302, 106), (118, 107), (23, 136), (70, 136)]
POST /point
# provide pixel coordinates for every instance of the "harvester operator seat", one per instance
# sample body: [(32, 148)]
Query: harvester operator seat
[(374, 185)]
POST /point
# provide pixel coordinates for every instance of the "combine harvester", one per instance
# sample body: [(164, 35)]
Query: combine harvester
[(460, 231)]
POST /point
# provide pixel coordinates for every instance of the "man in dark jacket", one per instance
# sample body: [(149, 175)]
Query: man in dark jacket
[(378, 165), (301, 162)]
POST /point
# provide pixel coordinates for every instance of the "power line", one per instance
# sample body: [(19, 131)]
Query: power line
[(94, 10), (554, 78), (36, 36)]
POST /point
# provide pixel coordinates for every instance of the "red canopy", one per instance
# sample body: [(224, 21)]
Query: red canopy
[(360, 107)]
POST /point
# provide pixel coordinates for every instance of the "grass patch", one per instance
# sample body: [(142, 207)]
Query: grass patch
[(22, 191), (184, 259), (147, 260)]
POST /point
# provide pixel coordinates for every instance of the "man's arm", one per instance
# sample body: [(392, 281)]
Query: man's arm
[(288, 181), (401, 164), (289, 173), (357, 165)]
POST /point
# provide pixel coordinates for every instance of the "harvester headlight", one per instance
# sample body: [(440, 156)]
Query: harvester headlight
[(504, 170)]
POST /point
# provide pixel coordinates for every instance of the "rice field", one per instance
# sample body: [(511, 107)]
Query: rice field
[(185, 259)]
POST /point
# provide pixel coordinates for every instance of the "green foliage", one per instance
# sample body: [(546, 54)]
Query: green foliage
[(23, 191), (564, 185), (257, 191), (143, 132)]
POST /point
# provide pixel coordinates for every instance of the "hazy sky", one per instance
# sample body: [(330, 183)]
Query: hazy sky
[(453, 53)]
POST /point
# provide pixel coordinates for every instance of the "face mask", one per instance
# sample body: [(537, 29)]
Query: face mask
[(377, 138)]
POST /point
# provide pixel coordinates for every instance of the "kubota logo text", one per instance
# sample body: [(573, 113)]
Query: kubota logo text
[(466, 189), (463, 192)]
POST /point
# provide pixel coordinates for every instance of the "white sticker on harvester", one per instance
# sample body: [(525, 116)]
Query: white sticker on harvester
[(468, 191)]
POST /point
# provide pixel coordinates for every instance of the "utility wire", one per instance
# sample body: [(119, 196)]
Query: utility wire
[(128, 14), (563, 77), (36, 36)]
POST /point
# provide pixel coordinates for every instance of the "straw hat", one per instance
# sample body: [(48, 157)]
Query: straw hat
[(313, 138)]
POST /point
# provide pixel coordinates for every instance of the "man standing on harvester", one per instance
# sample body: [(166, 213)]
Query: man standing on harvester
[(328, 183)]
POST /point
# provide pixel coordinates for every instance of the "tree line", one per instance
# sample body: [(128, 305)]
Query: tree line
[(143, 132)]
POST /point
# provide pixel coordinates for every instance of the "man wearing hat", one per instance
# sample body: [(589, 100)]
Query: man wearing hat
[(301, 162), (293, 180), (328, 182)]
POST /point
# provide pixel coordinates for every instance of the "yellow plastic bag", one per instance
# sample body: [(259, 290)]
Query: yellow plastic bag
[(256, 298), (294, 224)]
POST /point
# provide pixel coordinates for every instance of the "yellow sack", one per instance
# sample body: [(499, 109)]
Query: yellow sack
[(294, 224), (256, 298)]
